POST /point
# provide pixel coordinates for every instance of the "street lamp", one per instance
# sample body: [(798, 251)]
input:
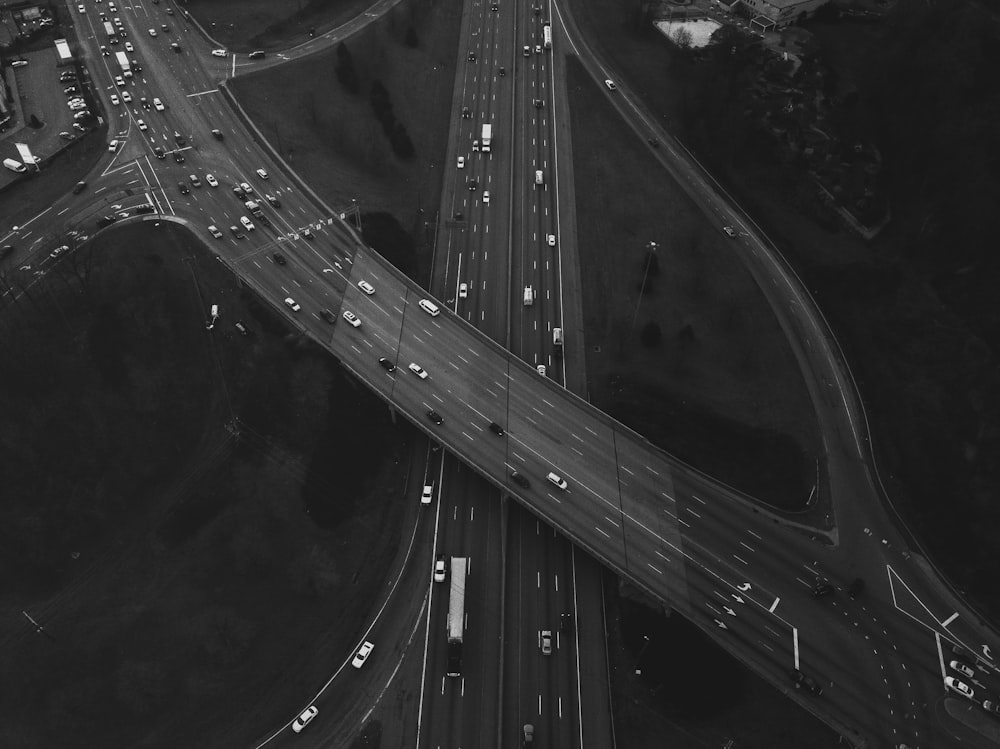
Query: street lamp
[(651, 246)]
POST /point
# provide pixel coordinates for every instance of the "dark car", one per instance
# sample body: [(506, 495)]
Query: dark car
[(466, 113), (217, 134), (279, 258), (237, 233), (273, 201), (519, 479), (496, 429), (178, 157), (539, 103), (806, 682), (388, 366), (238, 192), (256, 55), (653, 142), (328, 316), (503, 71), (472, 57), (473, 185), (566, 622), (183, 187), (159, 153), (79, 187), (6, 250), (856, 589), (105, 221), (180, 139), (435, 417), (823, 587), (264, 219)]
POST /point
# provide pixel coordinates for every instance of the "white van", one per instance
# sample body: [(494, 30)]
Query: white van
[(539, 177), (14, 165), (429, 307), (529, 296), (557, 338)]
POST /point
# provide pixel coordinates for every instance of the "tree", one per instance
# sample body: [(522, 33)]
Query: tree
[(651, 334), (345, 70)]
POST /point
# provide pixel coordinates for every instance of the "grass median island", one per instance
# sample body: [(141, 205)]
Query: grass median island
[(163, 492), (681, 346), (335, 140)]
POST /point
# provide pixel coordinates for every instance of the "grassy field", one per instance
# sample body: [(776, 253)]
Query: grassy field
[(185, 513), (331, 136), (717, 700), (721, 389), (246, 25), (913, 311)]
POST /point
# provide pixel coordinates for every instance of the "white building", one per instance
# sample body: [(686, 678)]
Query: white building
[(767, 15)]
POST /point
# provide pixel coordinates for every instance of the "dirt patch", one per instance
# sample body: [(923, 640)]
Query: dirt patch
[(715, 367), (153, 503), (332, 136)]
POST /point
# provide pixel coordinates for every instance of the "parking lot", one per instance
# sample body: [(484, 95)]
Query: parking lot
[(39, 93)]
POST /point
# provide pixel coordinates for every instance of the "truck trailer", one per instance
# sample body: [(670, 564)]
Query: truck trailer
[(456, 615), (124, 63)]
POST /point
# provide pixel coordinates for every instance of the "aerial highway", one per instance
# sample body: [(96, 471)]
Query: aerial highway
[(745, 574)]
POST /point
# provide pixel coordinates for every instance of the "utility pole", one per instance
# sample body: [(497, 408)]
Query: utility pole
[(651, 247), (38, 627)]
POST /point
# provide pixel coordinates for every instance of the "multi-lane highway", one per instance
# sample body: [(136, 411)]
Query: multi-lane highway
[(739, 571)]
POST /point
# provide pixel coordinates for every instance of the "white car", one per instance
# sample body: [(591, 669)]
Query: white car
[(461, 162), (486, 197), (142, 125), (115, 100), (126, 97), (463, 290), (418, 370), (152, 32), (214, 231), (262, 174), (81, 114), (366, 287), (129, 47), (303, 720), (427, 495), (219, 53), (440, 570), (729, 230), (610, 84), (211, 180), (119, 81), (18, 63), (959, 686), (246, 188), (292, 304), (82, 8), (962, 668), (113, 145), (59, 251), (558, 480), (158, 105), (76, 106), (363, 652), (540, 369), (551, 239), (353, 320), (545, 641), (247, 223)]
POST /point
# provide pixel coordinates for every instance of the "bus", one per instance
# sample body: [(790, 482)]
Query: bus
[(547, 34)]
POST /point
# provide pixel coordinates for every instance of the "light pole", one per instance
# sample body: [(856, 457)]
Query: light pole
[(651, 246)]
